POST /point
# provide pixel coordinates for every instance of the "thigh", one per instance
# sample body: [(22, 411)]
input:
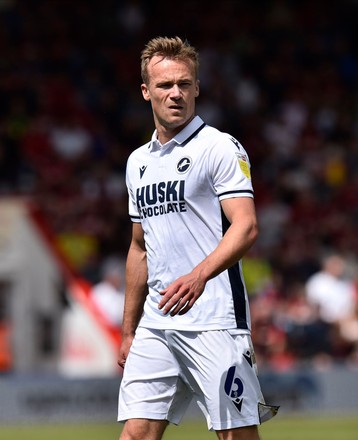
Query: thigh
[(220, 366), (151, 387)]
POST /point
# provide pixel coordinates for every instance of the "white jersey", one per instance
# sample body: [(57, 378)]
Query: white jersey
[(175, 192)]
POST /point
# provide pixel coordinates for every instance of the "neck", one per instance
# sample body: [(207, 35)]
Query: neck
[(165, 133)]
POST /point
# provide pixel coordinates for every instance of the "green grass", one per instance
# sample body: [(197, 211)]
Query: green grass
[(281, 428), (323, 428)]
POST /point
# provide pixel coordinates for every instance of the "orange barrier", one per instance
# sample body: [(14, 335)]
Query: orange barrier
[(77, 286), (5, 348)]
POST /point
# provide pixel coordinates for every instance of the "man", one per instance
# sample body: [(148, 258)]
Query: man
[(186, 324), (108, 293), (330, 291)]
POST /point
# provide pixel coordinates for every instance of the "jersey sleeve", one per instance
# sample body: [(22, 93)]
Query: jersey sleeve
[(132, 206), (230, 169)]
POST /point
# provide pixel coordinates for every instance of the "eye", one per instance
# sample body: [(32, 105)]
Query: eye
[(185, 84), (165, 86)]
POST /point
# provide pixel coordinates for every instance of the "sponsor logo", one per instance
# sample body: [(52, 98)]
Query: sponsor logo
[(235, 142), (161, 198), (142, 170), (247, 356), (184, 165), (244, 164), (242, 159)]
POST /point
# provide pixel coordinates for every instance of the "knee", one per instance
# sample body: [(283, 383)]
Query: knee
[(244, 433), (132, 430), (137, 429)]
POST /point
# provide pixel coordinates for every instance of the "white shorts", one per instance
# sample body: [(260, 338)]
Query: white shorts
[(166, 369)]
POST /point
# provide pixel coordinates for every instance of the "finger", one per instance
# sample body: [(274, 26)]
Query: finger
[(187, 306), (168, 302), (182, 307), (166, 298), (173, 305), (163, 292), (165, 302), (174, 311), (121, 362)]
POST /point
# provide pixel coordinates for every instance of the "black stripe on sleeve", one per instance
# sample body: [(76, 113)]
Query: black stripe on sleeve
[(238, 191)]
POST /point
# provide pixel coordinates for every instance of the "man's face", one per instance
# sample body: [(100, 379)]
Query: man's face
[(172, 90)]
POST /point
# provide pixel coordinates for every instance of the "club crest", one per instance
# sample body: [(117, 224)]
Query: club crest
[(184, 165)]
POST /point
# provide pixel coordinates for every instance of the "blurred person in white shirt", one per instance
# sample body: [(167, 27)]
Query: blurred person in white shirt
[(331, 291), (108, 294)]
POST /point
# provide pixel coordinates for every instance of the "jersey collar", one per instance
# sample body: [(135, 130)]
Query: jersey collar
[(181, 138)]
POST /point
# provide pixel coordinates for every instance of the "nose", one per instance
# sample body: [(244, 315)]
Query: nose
[(175, 92)]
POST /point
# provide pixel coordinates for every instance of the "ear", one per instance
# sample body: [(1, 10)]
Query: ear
[(197, 88), (145, 92)]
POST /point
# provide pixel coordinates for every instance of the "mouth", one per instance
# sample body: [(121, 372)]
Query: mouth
[(176, 107)]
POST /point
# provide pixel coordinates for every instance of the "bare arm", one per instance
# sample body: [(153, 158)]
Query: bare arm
[(136, 290), (237, 240)]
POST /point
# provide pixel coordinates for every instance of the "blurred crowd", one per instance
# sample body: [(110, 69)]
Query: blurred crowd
[(280, 76)]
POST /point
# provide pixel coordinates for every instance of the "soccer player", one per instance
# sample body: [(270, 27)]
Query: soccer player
[(186, 322)]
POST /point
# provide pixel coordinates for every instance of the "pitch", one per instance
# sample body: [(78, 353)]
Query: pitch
[(280, 428)]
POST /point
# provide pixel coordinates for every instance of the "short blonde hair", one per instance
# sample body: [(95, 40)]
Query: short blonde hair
[(174, 48)]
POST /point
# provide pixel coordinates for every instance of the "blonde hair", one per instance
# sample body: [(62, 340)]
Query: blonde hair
[(174, 48)]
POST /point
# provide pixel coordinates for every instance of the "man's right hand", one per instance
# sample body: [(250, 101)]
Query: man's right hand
[(124, 350)]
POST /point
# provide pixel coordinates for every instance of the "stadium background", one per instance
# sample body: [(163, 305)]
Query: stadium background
[(281, 76)]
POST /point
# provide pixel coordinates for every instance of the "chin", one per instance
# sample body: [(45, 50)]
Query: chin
[(175, 123)]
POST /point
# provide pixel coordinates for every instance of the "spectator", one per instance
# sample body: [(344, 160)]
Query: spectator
[(330, 292), (70, 116), (108, 294)]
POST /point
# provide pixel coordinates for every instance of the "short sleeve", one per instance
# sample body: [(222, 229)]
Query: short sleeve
[(132, 206), (230, 169)]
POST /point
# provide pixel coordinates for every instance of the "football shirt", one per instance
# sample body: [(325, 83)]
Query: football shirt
[(175, 191)]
